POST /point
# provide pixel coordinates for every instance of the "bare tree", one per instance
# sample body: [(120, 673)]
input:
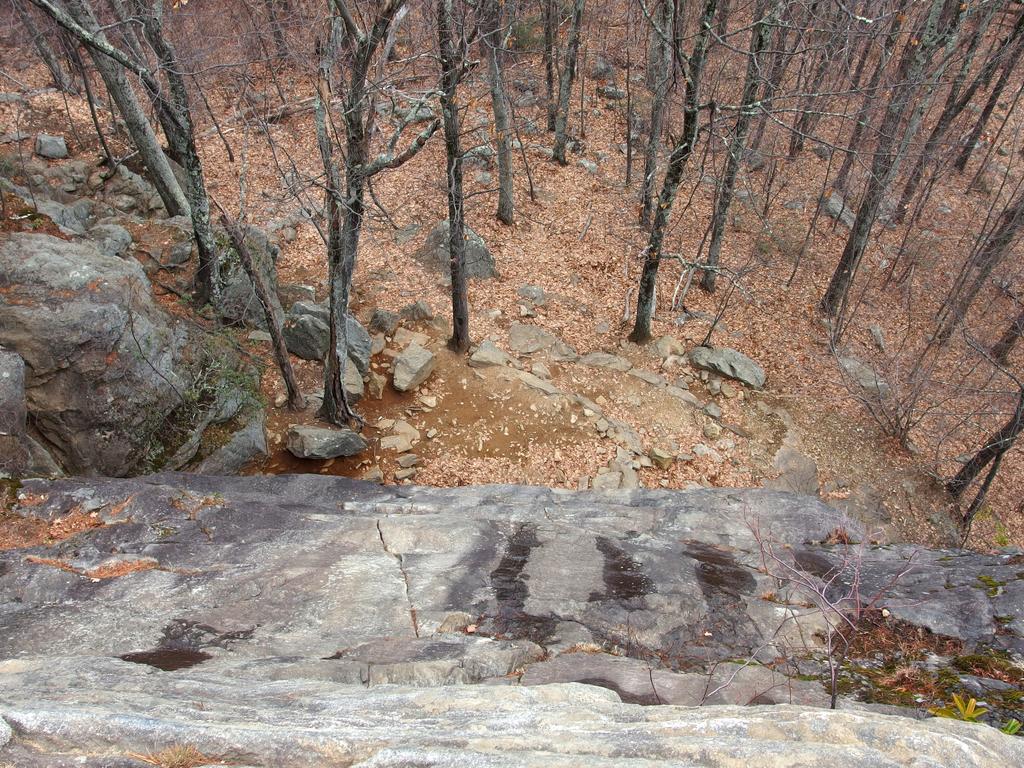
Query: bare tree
[(499, 104), (61, 77), (660, 75), (346, 206), (565, 82), (673, 176)]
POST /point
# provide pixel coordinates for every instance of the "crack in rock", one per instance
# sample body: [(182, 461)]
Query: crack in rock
[(405, 578)]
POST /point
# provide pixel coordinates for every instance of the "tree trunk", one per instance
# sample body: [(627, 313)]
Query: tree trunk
[(661, 66), (60, 76), (550, 12), (986, 112), (956, 102), (994, 447), (1001, 349), (759, 38), (502, 124), (176, 117), (988, 257), (565, 83), (272, 312), (81, 22), (450, 71), (892, 144), (676, 164)]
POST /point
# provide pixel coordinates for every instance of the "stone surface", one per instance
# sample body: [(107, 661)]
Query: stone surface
[(51, 147), (488, 354), (605, 360), (86, 711), (307, 336), (108, 372), (412, 367), (729, 362), (434, 254), (245, 446), (864, 376), (323, 442), (305, 599), (836, 207), (526, 339), (111, 239)]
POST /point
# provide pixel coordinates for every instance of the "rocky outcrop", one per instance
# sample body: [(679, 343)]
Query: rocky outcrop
[(259, 616), (729, 362), (113, 384)]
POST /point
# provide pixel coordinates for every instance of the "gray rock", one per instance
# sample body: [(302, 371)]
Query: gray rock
[(307, 336), (323, 443), (729, 362), (412, 367), (601, 68), (83, 710), (289, 293), (13, 410), (305, 307), (836, 207), (488, 353), (52, 147), (534, 294), (111, 239), (433, 254), (418, 311), (588, 165), (864, 376), (239, 303), (605, 360), (245, 446), (529, 339), (611, 92), (383, 321), (107, 369)]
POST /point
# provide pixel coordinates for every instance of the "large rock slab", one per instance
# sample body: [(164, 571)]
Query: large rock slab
[(323, 442), (729, 362), (95, 712), (112, 382), (434, 254)]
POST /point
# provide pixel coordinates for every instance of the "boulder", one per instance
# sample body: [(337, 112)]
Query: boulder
[(323, 442), (412, 367), (601, 68), (611, 92), (111, 239), (488, 353), (112, 381), (835, 206), (864, 376), (245, 446), (418, 311), (51, 147), (729, 362), (239, 303), (433, 254), (383, 321), (307, 336)]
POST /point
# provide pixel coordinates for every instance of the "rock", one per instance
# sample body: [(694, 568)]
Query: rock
[(668, 346), (383, 321), (412, 367), (407, 460), (404, 337), (864, 376), (607, 481), (535, 382), (245, 446), (433, 254), (729, 362), (488, 354), (239, 303), (416, 312), (836, 207), (109, 374), (259, 337), (605, 360), (878, 336), (396, 443), (307, 336), (712, 430), (712, 410), (798, 473), (529, 339), (414, 115), (662, 458), (375, 385), (352, 382), (405, 474), (540, 370), (111, 239), (289, 293), (305, 307), (51, 147), (601, 68), (534, 294), (648, 377), (359, 344), (611, 92), (588, 165), (322, 442)]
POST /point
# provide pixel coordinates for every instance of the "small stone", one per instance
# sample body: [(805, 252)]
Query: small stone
[(373, 475), (712, 430), (412, 367), (429, 400), (712, 410), (407, 460), (416, 312), (540, 370), (661, 458), (405, 474), (323, 443), (51, 147), (488, 354), (397, 443), (375, 385), (728, 390), (259, 337)]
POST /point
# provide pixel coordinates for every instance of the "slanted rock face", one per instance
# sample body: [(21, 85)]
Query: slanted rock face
[(729, 362), (297, 596), (105, 368), (434, 254)]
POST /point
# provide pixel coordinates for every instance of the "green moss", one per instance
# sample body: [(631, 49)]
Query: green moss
[(992, 586)]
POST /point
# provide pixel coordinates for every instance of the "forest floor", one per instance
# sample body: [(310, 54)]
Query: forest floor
[(578, 240)]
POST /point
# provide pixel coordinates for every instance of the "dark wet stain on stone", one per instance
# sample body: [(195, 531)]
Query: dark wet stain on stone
[(168, 659), (717, 570), (624, 578), (511, 590), (814, 563), (646, 699)]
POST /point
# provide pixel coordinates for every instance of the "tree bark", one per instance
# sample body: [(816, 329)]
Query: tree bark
[(550, 13), (565, 83), (661, 66), (499, 104), (62, 79), (987, 110), (892, 143), (110, 63), (450, 73), (760, 35), (676, 164), (998, 444), (1001, 349)]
